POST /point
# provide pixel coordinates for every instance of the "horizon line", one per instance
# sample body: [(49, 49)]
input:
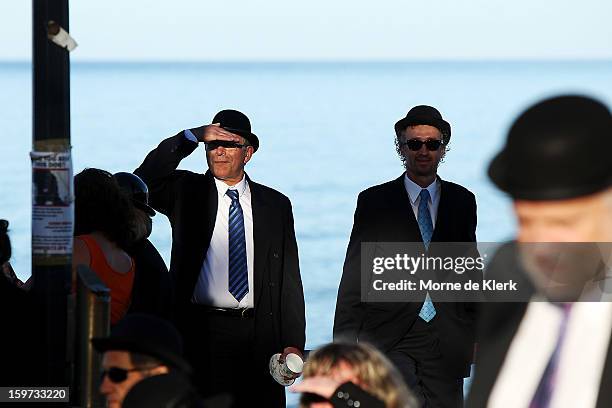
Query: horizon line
[(323, 61)]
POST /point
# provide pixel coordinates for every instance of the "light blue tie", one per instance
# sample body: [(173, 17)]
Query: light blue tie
[(428, 311), (238, 275)]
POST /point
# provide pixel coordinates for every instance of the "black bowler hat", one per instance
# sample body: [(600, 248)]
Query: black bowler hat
[(425, 115), (237, 123), (136, 189), (557, 149), (146, 334)]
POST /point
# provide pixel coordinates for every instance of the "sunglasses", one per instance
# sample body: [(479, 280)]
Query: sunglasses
[(213, 144), (416, 144), (118, 375)]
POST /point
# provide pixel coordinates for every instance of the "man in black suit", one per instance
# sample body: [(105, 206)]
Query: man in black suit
[(239, 297), (431, 343), (552, 346)]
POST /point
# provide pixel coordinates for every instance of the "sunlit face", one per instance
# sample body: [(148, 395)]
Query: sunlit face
[(422, 163), (227, 164), (563, 242), (115, 392), (341, 373)]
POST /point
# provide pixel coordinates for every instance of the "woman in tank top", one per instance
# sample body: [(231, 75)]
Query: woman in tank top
[(102, 231)]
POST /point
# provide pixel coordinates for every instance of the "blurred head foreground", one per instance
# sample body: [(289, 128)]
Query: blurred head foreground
[(556, 168), (362, 365)]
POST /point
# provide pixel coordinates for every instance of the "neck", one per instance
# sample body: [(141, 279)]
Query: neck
[(422, 181), (233, 180)]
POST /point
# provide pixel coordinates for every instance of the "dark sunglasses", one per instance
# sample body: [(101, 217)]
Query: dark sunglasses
[(416, 144), (212, 145), (118, 375)]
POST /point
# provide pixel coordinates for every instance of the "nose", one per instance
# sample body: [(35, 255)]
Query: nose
[(423, 149), (106, 386), (220, 151)]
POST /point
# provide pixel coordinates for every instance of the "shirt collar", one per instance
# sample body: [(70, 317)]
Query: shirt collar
[(241, 187), (414, 189)]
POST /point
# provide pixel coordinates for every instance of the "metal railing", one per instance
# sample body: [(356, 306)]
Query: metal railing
[(92, 320)]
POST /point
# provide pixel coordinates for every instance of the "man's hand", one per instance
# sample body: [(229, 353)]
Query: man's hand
[(286, 351), (320, 385), (212, 132)]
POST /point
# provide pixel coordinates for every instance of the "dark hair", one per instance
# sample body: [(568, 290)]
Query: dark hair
[(5, 242), (101, 205)]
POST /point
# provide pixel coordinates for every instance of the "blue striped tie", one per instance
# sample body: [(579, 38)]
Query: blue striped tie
[(238, 275), (428, 311)]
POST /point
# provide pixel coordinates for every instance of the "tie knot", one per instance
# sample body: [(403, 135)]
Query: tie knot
[(424, 195), (233, 194)]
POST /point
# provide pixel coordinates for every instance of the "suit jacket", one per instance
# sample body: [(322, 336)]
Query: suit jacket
[(497, 326), (384, 214), (189, 200), (152, 292)]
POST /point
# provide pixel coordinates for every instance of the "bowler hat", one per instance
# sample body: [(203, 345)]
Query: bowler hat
[(425, 115), (136, 189), (146, 334), (557, 149), (237, 123)]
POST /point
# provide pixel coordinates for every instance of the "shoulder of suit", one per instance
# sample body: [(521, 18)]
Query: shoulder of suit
[(456, 188), (378, 189), (269, 192)]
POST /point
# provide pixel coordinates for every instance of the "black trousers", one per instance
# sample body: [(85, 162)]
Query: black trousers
[(417, 356), (223, 353)]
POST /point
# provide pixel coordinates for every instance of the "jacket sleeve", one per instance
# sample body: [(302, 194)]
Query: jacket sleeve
[(350, 310), (158, 170), (293, 315), (472, 308), (351, 395)]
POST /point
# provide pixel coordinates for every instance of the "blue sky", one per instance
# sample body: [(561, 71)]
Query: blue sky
[(261, 30)]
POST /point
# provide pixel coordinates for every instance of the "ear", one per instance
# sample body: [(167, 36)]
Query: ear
[(249, 153)]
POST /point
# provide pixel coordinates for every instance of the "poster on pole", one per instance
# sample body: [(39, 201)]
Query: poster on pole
[(52, 203)]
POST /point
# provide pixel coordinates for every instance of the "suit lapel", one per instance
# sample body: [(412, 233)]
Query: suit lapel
[(261, 242), (407, 225), (200, 213), (442, 217)]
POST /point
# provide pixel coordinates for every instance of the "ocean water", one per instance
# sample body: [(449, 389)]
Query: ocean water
[(326, 132)]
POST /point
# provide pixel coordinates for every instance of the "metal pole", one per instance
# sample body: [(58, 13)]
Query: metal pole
[(51, 258), (93, 311)]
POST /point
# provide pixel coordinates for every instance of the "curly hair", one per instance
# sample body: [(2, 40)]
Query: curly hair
[(375, 373), (101, 205), (398, 147)]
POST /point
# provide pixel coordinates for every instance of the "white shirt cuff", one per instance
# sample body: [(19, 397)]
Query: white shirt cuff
[(190, 136)]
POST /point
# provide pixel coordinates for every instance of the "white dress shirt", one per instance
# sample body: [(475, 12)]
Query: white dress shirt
[(581, 360), (212, 286), (413, 190)]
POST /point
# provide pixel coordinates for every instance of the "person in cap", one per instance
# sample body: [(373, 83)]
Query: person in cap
[(430, 343), (239, 296), (552, 347), (152, 292), (139, 346)]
